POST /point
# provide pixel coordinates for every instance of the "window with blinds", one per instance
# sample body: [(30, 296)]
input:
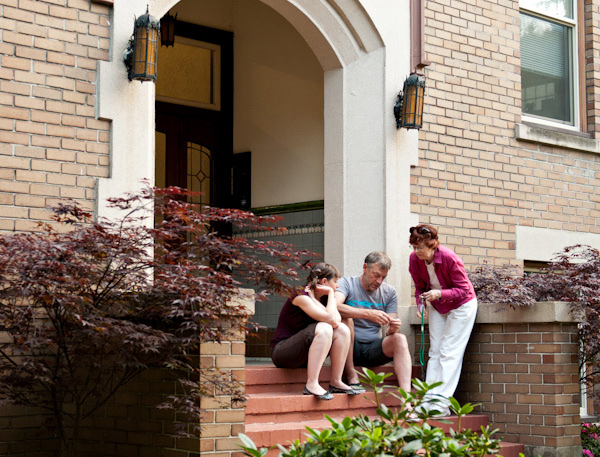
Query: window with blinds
[(548, 67)]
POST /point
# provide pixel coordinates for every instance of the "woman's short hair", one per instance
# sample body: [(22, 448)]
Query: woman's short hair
[(424, 234), (319, 271)]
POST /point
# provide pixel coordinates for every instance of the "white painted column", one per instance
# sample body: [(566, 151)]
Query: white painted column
[(130, 107), (354, 162)]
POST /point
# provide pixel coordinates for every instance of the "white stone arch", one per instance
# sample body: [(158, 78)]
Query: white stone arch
[(358, 105)]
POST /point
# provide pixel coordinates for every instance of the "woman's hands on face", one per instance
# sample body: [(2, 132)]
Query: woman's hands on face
[(323, 289)]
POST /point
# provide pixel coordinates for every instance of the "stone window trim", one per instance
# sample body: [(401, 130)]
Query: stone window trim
[(556, 136)]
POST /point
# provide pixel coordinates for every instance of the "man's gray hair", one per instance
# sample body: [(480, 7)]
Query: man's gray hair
[(379, 257)]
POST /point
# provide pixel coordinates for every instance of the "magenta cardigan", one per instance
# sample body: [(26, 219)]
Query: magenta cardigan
[(450, 271)]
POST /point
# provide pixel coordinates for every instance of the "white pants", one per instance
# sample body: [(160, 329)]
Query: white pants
[(448, 337)]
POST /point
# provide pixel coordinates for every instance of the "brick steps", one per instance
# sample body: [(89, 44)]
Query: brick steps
[(278, 413), (289, 407), (267, 378)]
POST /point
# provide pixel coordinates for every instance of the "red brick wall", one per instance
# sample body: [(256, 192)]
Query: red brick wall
[(51, 144), (592, 61), (22, 433), (521, 367), (130, 425), (526, 378)]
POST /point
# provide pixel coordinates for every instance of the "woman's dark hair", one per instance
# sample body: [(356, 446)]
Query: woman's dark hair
[(424, 234), (319, 271)]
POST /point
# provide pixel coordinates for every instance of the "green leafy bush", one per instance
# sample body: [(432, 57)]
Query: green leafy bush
[(394, 432), (572, 276)]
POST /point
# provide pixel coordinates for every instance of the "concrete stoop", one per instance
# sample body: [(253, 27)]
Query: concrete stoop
[(278, 413)]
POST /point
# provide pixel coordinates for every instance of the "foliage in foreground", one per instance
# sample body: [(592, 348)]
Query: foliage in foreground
[(590, 439), (86, 306), (573, 276), (392, 433)]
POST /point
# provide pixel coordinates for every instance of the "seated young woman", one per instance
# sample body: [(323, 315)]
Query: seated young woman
[(309, 328)]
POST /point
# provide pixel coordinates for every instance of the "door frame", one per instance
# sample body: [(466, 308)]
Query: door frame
[(223, 118)]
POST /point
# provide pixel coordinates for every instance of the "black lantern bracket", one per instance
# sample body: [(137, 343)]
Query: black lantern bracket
[(141, 53), (128, 57), (408, 109), (398, 109)]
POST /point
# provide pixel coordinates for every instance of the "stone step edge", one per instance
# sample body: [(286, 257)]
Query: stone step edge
[(296, 402), (269, 374), (284, 433), (472, 421)]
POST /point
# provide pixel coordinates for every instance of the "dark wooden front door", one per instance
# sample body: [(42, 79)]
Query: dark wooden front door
[(194, 114), (195, 155)]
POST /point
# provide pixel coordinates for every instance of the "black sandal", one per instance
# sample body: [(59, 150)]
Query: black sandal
[(325, 396), (339, 390), (358, 387)]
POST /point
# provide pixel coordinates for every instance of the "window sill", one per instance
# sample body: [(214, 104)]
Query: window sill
[(557, 137)]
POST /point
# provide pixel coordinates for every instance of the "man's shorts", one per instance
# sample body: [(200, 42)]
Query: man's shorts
[(293, 352), (370, 354)]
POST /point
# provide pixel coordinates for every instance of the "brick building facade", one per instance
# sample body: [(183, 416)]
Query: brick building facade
[(311, 89), (52, 144), (485, 168)]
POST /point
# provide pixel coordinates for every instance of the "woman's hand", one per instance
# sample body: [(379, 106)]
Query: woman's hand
[(433, 294), (323, 289), (335, 320)]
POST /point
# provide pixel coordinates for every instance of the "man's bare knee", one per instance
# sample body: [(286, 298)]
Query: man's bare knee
[(400, 343)]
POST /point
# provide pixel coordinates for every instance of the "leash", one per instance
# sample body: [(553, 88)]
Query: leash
[(422, 306)]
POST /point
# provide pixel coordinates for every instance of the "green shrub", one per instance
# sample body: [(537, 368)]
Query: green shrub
[(394, 432)]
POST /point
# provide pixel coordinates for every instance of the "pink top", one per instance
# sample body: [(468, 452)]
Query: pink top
[(450, 271)]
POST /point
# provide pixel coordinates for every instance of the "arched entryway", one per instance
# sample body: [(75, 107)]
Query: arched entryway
[(349, 50), (333, 142)]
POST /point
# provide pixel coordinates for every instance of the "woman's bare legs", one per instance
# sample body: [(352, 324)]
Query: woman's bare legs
[(317, 354), (338, 355), (351, 374)]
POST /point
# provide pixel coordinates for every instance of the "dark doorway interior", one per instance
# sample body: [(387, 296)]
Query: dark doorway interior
[(195, 143)]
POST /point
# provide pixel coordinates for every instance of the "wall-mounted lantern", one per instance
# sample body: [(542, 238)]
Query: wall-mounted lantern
[(142, 51), (409, 106), (167, 30)]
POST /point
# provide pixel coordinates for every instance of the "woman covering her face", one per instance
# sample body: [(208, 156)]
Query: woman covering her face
[(310, 328), (441, 280)]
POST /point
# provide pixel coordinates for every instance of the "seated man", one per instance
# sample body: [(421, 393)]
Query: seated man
[(371, 303)]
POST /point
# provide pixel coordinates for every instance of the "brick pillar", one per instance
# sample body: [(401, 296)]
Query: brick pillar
[(521, 366), (130, 425), (224, 417)]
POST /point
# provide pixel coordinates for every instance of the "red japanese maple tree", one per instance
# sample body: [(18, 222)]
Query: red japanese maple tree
[(87, 305)]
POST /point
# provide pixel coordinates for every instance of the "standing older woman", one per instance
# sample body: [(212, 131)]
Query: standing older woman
[(440, 277), (309, 328)]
